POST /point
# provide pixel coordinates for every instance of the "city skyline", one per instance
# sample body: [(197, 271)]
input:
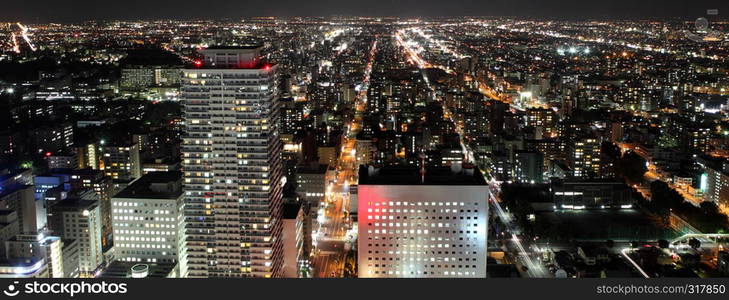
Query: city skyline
[(87, 10), (365, 147)]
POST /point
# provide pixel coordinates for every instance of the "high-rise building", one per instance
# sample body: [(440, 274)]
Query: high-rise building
[(584, 157), (365, 149), (293, 240), (422, 223), (20, 198), (233, 173), (529, 166), (544, 120), (8, 227), (138, 77), (87, 156), (695, 139), (53, 138), (103, 187), (71, 258), (148, 221), (310, 187), (77, 219), (715, 183), (292, 116), (62, 161), (121, 161)]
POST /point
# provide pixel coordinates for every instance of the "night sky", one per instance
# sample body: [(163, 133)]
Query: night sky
[(81, 10)]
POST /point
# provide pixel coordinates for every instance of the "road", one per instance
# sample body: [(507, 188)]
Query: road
[(334, 233), (415, 58), (654, 173), (523, 250), (526, 254)]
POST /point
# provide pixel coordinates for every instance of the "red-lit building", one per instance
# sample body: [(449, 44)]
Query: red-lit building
[(415, 224)]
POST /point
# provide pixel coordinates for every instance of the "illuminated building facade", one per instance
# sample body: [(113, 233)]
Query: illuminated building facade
[(233, 173), (414, 226), (585, 157), (121, 161), (77, 219), (41, 247), (715, 184), (147, 220)]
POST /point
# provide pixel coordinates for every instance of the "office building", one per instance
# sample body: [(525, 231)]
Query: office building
[(137, 78), (24, 268), (311, 182), (62, 161), (584, 157), (148, 220), (590, 194), (101, 185), (38, 246), (293, 240), (87, 156), (120, 161), (80, 220), (529, 166), (20, 198), (422, 223), (71, 258), (715, 183), (49, 139)]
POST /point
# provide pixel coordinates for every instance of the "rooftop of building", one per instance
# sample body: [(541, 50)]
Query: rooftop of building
[(22, 265), (587, 181), (74, 204), (123, 269), (154, 185), (257, 65), (39, 238), (312, 168), (7, 174), (12, 188), (406, 175), (249, 58), (117, 144), (80, 172)]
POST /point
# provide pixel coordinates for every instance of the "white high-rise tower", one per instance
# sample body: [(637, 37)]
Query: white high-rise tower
[(233, 174)]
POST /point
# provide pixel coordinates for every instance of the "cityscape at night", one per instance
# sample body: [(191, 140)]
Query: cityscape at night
[(341, 146)]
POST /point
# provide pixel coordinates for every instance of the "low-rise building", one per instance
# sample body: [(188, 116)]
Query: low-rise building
[(417, 223), (148, 221)]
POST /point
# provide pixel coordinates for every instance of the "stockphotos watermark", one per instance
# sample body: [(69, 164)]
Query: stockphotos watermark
[(64, 288)]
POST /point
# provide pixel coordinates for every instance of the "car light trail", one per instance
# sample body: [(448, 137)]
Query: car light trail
[(24, 34), (624, 252)]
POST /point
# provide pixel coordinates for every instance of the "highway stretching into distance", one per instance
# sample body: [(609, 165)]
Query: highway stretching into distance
[(333, 233)]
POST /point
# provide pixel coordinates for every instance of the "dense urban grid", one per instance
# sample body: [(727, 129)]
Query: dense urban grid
[(365, 148)]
